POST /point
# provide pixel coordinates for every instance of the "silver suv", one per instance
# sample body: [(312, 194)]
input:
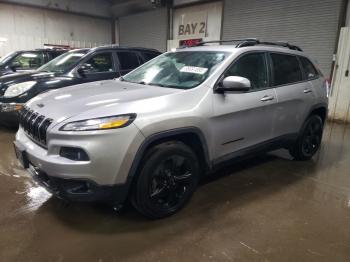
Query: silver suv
[(151, 135)]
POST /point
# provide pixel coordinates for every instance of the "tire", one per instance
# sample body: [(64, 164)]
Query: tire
[(168, 177), (309, 139)]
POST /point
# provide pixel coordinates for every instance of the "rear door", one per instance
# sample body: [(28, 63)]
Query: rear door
[(294, 93), (244, 119), (128, 61)]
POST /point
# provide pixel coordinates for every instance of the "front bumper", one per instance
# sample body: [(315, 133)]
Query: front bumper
[(10, 107), (110, 152), (9, 113), (79, 190)]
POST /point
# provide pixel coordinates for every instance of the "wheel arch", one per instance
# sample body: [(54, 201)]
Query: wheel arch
[(191, 136), (320, 110)]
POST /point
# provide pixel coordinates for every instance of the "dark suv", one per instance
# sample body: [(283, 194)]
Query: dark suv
[(74, 67), (20, 61)]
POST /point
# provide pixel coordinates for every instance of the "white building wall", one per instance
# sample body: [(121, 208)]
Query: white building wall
[(27, 28)]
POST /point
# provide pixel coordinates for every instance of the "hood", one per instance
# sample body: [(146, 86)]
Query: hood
[(44, 80), (97, 99), (5, 70), (19, 77)]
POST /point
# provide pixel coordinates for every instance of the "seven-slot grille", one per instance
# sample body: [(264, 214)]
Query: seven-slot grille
[(34, 125)]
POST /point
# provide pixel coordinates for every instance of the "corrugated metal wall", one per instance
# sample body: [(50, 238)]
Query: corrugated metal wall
[(311, 24), (148, 29)]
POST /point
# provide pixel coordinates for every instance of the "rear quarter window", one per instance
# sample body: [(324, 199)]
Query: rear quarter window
[(286, 69), (148, 55), (309, 69), (128, 60)]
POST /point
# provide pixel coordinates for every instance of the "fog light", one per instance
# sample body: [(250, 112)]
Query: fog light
[(10, 107), (73, 153)]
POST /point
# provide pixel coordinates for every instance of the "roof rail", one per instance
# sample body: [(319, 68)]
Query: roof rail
[(283, 44), (228, 41), (244, 42)]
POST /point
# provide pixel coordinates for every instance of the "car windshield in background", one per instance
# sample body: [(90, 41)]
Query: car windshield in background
[(183, 70), (7, 57), (63, 62)]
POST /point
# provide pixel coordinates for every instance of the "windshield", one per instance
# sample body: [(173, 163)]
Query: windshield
[(183, 70), (63, 62), (7, 57)]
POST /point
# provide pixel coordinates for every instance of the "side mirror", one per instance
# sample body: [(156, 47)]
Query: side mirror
[(84, 69), (14, 66), (233, 83)]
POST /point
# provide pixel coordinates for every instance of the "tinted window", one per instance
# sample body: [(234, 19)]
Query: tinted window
[(149, 56), (29, 60), (286, 69), (128, 60), (100, 63), (56, 54), (309, 69), (252, 67)]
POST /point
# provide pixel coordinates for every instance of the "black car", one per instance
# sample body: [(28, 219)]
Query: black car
[(20, 61), (74, 67)]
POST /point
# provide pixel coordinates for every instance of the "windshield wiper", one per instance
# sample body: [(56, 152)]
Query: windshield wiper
[(153, 84)]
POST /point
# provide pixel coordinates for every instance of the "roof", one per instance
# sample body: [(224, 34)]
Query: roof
[(124, 48)]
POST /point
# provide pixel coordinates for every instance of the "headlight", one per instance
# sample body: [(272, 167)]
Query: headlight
[(18, 89), (100, 123)]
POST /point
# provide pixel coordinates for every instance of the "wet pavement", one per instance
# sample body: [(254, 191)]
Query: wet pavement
[(268, 208)]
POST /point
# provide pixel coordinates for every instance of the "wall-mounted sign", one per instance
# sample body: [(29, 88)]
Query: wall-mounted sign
[(202, 21), (192, 24), (190, 42)]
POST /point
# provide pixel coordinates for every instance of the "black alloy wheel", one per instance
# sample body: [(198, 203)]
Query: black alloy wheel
[(310, 139), (168, 178)]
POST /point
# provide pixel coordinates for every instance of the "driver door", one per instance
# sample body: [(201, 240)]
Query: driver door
[(100, 66), (244, 119)]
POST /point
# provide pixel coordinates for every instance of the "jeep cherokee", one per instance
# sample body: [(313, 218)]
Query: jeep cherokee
[(149, 136)]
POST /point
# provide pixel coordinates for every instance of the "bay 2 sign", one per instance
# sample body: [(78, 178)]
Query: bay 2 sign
[(193, 24)]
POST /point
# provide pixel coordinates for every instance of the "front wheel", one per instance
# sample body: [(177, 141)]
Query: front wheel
[(168, 177), (309, 140)]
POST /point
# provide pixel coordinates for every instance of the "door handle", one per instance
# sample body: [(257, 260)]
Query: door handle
[(307, 91), (267, 98)]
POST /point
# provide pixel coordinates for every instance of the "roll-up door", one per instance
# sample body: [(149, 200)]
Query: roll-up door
[(311, 24), (148, 29)]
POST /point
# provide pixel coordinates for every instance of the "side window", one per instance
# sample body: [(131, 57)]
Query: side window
[(102, 62), (309, 69), (55, 54), (149, 56), (253, 67), (286, 69), (28, 60), (128, 60)]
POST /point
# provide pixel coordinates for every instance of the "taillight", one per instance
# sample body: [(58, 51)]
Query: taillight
[(327, 85)]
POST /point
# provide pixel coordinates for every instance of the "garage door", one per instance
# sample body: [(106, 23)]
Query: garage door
[(148, 29), (311, 24)]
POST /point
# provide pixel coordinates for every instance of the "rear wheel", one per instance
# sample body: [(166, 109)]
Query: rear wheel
[(168, 177), (309, 140)]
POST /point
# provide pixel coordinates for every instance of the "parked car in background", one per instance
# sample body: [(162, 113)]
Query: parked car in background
[(21, 61), (74, 67), (150, 135)]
